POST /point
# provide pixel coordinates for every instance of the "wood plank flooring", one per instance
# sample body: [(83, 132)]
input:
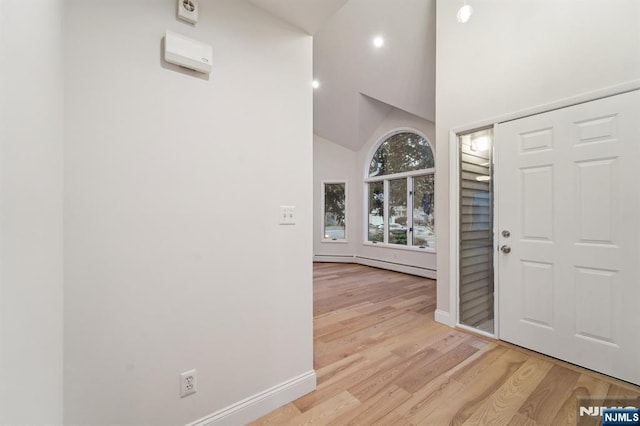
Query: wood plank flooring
[(381, 359)]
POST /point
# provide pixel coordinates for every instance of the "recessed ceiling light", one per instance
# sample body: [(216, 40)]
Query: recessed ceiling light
[(464, 13), (315, 84), (378, 41)]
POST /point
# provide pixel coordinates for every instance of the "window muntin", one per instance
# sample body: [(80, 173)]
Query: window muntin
[(400, 192), (335, 211), (401, 152)]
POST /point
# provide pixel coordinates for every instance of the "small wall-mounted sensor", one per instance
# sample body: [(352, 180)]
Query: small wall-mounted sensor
[(188, 10), (187, 53)]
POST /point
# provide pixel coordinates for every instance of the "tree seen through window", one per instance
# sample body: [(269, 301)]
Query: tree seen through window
[(407, 219)]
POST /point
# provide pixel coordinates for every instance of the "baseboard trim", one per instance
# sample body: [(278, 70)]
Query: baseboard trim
[(443, 318), (258, 405), (397, 267), (333, 259)]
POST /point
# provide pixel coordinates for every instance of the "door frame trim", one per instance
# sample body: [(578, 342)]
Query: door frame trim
[(454, 186)]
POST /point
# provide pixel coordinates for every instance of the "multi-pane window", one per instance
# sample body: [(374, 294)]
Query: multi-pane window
[(335, 211), (398, 211), (423, 230), (376, 212), (400, 189)]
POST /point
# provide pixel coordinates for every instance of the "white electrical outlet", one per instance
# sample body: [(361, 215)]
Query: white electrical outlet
[(188, 383)]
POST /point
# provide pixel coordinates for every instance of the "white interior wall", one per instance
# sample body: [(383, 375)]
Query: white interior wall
[(332, 161), (174, 258), (517, 55), (31, 141)]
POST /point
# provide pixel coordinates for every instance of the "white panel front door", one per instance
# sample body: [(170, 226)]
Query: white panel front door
[(568, 191)]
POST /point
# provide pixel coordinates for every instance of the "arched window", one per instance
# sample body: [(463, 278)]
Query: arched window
[(400, 188)]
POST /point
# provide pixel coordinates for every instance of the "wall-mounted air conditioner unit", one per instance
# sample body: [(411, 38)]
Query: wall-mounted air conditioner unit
[(187, 53)]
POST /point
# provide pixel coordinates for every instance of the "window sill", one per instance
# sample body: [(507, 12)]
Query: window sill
[(400, 247), (334, 241)]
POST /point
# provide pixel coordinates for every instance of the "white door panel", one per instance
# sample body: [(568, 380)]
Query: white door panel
[(568, 190)]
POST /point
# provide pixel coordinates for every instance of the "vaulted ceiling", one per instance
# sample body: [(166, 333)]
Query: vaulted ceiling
[(360, 83)]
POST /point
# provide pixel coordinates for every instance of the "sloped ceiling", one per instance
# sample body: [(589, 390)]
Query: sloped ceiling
[(359, 83), (308, 15)]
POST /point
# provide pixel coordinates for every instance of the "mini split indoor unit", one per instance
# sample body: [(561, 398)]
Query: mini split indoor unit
[(187, 53)]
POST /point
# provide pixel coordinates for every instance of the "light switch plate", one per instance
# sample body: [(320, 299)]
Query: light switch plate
[(287, 215)]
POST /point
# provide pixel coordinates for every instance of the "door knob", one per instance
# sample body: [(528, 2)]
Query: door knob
[(505, 249)]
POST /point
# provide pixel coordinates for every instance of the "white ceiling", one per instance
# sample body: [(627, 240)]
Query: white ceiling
[(308, 15), (360, 84)]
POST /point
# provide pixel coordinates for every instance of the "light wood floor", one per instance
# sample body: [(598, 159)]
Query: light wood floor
[(381, 359)]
